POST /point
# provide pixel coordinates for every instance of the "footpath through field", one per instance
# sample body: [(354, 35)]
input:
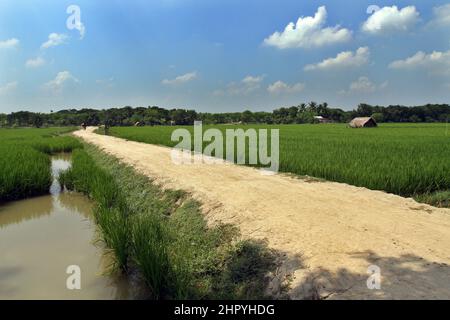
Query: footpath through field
[(329, 235)]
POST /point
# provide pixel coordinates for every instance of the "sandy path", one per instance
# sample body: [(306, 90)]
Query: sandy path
[(329, 232)]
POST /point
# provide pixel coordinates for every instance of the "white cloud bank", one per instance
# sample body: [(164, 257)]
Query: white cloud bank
[(9, 44), (8, 88), (279, 87), (35, 63), (391, 19), (60, 80), (181, 79), (435, 63), (54, 39), (309, 32), (346, 59), (441, 15)]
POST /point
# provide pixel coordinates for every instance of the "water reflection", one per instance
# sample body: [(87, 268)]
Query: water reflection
[(40, 237), (20, 211)]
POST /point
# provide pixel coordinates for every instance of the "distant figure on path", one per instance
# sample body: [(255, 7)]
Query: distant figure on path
[(106, 127)]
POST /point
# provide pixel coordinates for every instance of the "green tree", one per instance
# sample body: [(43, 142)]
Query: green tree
[(378, 117), (37, 120)]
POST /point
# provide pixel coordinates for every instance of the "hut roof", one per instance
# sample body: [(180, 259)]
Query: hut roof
[(362, 122)]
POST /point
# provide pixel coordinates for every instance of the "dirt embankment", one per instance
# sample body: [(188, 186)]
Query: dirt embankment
[(327, 233)]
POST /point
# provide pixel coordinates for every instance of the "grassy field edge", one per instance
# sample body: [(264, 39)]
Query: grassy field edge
[(164, 237), (403, 159), (25, 163)]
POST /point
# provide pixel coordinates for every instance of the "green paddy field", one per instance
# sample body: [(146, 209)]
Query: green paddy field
[(404, 159)]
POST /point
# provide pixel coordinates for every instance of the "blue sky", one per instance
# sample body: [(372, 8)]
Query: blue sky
[(223, 55)]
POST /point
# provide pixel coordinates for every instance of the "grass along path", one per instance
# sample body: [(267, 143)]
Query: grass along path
[(329, 232), (163, 236)]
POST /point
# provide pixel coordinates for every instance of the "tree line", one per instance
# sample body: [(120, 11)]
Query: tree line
[(154, 115)]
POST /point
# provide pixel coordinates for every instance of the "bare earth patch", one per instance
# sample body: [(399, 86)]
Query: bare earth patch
[(327, 234)]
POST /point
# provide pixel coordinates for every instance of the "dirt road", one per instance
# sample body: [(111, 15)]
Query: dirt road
[(329, 233)]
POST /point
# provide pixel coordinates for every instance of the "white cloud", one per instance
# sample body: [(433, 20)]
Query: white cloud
[(363, 86), (391, 19), (35, 63), (441, 15), (280, 87), (54, 39), (343, 60), (181, 79), (435, 63), (60, 80), (309, 32), (252, 81), (245, 86), (8, 88), (106, 82), (384, 85), (9, 44)]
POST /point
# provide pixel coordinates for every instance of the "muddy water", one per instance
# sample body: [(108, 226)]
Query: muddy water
[(40, 237)]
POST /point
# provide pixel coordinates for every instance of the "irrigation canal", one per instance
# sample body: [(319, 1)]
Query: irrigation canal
[(42, 236)]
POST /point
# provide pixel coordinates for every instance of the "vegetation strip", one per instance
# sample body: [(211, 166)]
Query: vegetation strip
[(311, 112), (24, 161), (163, 235), (403, 159)]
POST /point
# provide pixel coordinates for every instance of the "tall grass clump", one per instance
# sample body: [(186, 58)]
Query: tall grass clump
[(24, 162), (150, 252), (111, 212), (56, 144), (169, 243), (139, 239), (438, 199), (113, 224), (24, 172)]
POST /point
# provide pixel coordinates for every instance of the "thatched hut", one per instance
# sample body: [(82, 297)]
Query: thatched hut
[(365, 122), (321, 119)]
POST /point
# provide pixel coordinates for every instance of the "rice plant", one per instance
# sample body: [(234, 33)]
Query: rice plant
[(150, 253), (111, 213), (24, 161), (24, 172), (405, 159), (114, 229)]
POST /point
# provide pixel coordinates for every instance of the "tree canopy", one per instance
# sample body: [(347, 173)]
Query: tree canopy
[(154, 115)]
